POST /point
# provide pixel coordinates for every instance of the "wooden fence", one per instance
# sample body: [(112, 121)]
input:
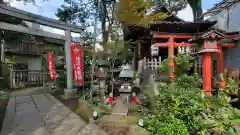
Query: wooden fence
[(154, 64)]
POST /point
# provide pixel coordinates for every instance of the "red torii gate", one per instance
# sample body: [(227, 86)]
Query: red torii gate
[(211, 42), (171, 44)]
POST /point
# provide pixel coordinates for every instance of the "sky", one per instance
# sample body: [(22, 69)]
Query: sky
[(48, 9)]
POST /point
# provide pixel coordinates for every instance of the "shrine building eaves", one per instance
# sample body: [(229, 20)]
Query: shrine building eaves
[(223, 5)]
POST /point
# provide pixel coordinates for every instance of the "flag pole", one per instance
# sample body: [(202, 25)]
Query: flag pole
[(83, 70)]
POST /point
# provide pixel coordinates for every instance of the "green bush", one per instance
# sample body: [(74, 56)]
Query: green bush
[(183, 63), (4, 83), (192, 108), (170, 126), (3, 95), (185, 109)]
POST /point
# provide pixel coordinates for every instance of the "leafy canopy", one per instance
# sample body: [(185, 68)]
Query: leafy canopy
[(173, 5), (133, 12)]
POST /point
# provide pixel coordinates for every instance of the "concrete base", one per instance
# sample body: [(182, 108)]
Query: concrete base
[(69, 94), (48, 87)]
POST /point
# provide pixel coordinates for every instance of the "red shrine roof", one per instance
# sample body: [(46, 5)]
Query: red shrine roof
[(216, 34), (228, 38)]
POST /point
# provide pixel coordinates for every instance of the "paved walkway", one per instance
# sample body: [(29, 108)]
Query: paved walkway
[(40, 115), (120, 107), (28, 91)]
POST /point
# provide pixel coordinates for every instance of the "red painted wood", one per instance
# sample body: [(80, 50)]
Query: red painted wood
[(220, 65), (207, 73), (161, 44), (171, 55), (172, 36), (228, 44), (175, 44)]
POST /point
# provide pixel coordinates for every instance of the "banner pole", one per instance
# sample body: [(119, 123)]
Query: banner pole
[(83, 69)]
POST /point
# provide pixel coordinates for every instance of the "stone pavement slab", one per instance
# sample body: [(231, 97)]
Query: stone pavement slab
[(40, 115), (55, 117), (120, 107), (43, 103), (23, 99), (26, 107), (68, 126)]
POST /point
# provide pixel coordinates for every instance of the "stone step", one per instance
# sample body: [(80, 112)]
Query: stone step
[(92, 129), (120, 108)]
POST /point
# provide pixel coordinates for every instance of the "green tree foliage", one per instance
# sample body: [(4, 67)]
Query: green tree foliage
[(183, 63), (75, 12), (133, 12), (185, 109), (173, 5)]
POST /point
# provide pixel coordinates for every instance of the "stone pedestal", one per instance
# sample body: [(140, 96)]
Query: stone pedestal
[(69, 94), (48, 87)]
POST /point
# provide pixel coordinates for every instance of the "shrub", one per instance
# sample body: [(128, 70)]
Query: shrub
[(185, 109), (170, 126), (3, 95), (188, 107)]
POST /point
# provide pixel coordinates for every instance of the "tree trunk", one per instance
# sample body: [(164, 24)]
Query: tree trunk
[(196, 6), (103, 22), (199, 11)]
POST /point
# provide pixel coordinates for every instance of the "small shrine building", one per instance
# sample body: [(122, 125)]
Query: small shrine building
[(172, 33)]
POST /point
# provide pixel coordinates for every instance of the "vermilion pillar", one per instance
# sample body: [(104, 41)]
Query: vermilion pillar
[(171, 62), (207, 73), (220, 64)]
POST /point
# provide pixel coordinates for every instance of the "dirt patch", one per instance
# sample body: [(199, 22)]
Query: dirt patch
[(3, 108), (70, 103)]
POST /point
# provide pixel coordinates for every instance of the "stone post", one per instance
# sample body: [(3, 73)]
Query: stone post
[(69, 92)]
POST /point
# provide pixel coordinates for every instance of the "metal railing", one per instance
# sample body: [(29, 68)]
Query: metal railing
[(27, 78)]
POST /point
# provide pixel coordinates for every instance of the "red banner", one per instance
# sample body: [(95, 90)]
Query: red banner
[(77, 63), (51, 66)]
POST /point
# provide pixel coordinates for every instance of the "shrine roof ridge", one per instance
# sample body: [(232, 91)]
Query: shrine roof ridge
[(185, 22), (216, 33), (225, 4)]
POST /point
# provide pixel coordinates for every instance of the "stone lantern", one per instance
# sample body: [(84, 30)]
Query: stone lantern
[(102, 74), (211, 43)]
